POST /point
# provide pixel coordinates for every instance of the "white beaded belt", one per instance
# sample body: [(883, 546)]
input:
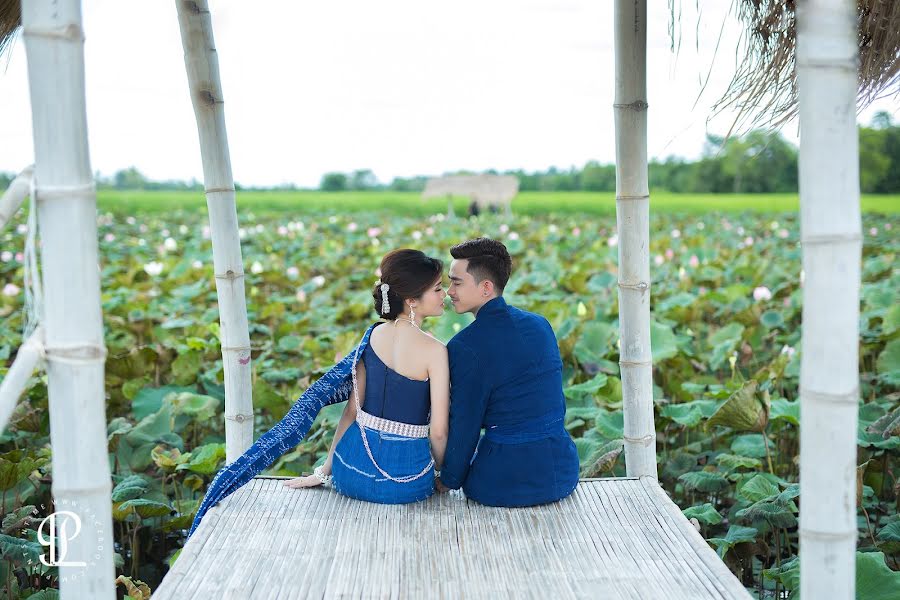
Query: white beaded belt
[(388, 426)]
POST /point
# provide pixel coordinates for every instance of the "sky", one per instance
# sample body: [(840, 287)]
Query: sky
[(402, 88)]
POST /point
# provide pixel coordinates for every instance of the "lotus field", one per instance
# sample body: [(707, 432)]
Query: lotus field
[(726, 310)]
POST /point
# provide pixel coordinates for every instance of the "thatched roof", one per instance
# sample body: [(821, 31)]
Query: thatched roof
[(764, 90), (10, 17)]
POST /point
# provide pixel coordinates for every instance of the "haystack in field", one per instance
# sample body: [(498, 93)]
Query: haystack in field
[(485, 191)]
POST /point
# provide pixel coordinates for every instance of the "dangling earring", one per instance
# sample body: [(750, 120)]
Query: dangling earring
[(412, 313)]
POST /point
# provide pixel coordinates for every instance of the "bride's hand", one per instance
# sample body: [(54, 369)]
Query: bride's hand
[(303, 482)]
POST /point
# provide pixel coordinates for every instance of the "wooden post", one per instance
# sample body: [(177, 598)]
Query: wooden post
[(830, 227), (633, 230), (202, 66), (72, 319)]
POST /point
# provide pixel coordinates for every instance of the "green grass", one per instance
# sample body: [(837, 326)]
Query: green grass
[(409, 203)]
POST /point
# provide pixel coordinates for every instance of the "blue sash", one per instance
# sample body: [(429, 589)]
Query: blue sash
[(333, 387)]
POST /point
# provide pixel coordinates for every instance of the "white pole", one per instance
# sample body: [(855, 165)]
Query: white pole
[(17, 377), (202, 67), (72, 320), (831, 227), (15, 194), (633, 230)]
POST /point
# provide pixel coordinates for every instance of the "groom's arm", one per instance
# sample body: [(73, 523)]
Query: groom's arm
[(468, 398)]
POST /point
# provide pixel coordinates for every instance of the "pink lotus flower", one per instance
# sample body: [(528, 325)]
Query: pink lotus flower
[(783, 233), (613, 241), (676, 233), (22, 228), (873, 231), (301, 296), (513, 235), (429, 231), (504, 228), (6, 256), (352, 226), (658, 259), (762, 293), (20, 257), (292, 272), (670, 254), (109, 237), (576, 231), (887, 226), (11, 290), (694, 262), (373, 232), (282, 230), (417, 235)]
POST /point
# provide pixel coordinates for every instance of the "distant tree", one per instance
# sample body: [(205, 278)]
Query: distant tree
[(129, 179), (879, 156), (408, 184), (363, 179), (598, 178), (333, 182)]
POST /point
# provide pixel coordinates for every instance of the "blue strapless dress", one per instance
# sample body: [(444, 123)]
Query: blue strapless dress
[(392, 396)]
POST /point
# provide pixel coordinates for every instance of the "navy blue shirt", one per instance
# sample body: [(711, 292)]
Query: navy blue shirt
[(506, 377)]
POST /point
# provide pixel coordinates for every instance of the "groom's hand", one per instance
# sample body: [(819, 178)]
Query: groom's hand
[(439, 485)]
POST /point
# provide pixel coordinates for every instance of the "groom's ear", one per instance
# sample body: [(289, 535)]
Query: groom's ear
[(487, 287)]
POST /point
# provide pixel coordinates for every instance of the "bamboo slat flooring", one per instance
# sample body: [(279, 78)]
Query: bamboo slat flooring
[(612, 538)]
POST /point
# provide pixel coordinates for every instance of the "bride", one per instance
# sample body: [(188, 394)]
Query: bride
[(390, 441)]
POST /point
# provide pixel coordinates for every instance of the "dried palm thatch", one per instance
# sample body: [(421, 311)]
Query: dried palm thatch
[(764, 88), (10, 19)]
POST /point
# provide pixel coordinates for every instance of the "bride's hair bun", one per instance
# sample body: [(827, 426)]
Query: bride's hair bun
[(408, 274)]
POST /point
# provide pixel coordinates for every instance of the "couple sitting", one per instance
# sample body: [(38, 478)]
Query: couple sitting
[(415, 417), (416, 408)]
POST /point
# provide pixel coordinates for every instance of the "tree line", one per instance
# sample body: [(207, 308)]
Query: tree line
[(760, 161)]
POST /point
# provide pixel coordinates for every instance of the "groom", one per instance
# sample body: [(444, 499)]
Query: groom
[(505, 377)]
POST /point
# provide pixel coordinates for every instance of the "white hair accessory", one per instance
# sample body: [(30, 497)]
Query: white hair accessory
[(385, 304)]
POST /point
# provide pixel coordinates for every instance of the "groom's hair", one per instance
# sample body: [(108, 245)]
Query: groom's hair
[(488, 259)]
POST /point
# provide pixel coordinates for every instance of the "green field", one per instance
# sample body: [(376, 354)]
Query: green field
[(409, 203)]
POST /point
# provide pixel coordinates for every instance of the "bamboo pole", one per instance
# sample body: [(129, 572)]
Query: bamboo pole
[(72, 320), (16, 378), (202, 67), (633, 230), (14, 195), (831, 228)]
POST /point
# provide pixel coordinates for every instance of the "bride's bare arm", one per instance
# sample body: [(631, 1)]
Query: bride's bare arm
[(439, 376), (347, 419)]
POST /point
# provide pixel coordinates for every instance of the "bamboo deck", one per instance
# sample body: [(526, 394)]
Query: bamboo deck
[(613, 538)]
